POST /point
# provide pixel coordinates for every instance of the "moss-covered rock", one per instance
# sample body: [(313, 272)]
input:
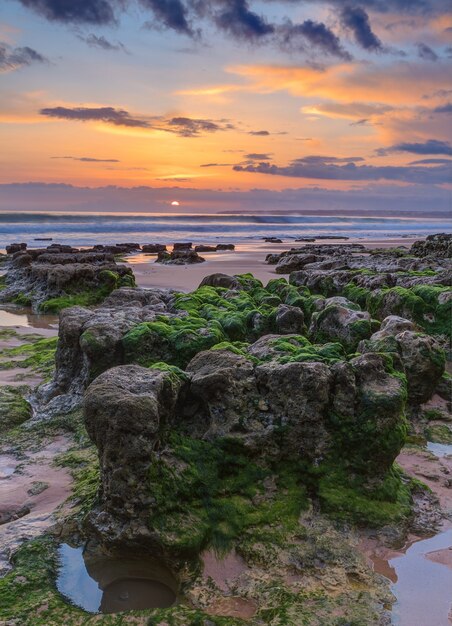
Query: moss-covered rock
[(14, 409)]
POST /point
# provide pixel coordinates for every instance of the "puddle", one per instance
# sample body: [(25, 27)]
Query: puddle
[(440, 450), (421, 584), (20, 316), (8, 466), (101, 584)]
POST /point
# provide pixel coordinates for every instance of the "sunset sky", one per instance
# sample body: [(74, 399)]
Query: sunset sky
[(296, 99)]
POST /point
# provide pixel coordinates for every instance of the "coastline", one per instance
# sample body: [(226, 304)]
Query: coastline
[(246, 258)]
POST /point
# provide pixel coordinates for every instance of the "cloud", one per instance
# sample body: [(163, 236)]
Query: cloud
[(426, 53), (101, 42), (171, 14), (14, 58), (109, 115), (347, 110), (443, 108), (236, 18), (190, 127), (215, 164), (73, 11), (315, 34), (431, 162), (431, 146), (329, 168), (257, 156), (87, 159), (181, 126), (356, 20), (259, 133)]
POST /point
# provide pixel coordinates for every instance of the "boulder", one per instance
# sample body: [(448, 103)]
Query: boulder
[(439, 245), (294, 262), (344, 324), (220, 280), (153, 248), (128, 411), (289, 320), (203, 248), (225, 246), (182, 256)]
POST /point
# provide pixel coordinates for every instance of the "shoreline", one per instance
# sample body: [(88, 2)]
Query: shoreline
[(246, 258)]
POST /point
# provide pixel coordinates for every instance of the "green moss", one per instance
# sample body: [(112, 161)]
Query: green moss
[(439, 433), (206, 498), (39, 356), (14, 409), (348, 498), (22, 300), (78, 295)]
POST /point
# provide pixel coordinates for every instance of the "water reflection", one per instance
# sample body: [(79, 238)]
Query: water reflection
[(101, 584), (440, 450), (423, 588), (20, 316)]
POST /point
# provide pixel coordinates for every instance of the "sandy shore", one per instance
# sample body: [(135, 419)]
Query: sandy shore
[(245, 258)]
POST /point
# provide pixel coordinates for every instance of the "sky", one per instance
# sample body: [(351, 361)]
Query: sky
[(287, 105)]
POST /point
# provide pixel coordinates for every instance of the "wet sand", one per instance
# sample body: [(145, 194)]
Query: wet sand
[(245, 258)]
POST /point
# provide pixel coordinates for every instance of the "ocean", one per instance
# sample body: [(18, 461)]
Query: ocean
[(89, 229)]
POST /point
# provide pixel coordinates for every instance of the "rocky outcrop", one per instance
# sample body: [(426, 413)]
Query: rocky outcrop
[(439, 245), (153, 248), (421, 357), (49, 280), (91, 341), (128, 410), (340, 322), (179, 256), (312, 414)]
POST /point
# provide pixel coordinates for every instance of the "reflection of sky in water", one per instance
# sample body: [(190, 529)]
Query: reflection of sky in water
[(74, 581), (423, 588), (439, 450)]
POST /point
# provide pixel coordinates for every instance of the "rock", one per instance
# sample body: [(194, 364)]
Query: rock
[(225, 246), (182, 256), (220, 280), (15, 247), (203, 248), (337, 322), (439, 245), (127, 411), (272, 240), (421, 356), (294, 262), (50, 281), (14, 409), (289, 319), (153, 248), (187, 245)]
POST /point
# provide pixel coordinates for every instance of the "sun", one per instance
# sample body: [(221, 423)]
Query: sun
[(174, 203)]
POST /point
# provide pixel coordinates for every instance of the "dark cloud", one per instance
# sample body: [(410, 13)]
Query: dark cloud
[(95, 41), (259, 133), (87, 159), (431, 162), (431, 146), (109, 115), (357, 21), (321, 168), (182, 126), (426, 53), (190, 127), (216, 164), (74, 11), (310, 34), (236, 18), (171, 14), (14, 58), (443, 108), (257, 156)]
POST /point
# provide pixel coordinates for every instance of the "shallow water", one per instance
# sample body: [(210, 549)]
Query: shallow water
[(423, 587), (101, 584), (20, 316), (439, 449)]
